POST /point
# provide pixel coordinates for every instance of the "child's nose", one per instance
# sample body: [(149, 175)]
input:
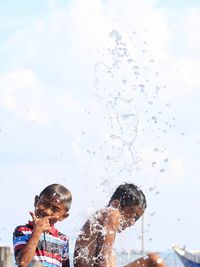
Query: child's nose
[(132, 221), (49, 211)]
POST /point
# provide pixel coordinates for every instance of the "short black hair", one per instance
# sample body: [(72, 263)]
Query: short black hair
[(129, 194), (58, 191)]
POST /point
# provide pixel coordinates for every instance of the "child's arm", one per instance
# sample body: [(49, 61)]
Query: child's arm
[(112, 223), (40, 225)]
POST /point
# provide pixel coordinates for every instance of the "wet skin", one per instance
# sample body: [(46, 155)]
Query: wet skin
[(130, 214), (95, 242)]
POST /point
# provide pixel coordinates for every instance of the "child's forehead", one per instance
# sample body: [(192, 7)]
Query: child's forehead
[(52, 197)]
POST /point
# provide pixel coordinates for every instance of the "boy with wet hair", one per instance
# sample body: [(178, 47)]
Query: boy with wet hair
[(94, 245), (39, 243)]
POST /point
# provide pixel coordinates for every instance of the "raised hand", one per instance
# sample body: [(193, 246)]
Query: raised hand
[(42, 224)]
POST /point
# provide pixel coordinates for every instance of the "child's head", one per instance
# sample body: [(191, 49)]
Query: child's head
[(54, 200), (131, 202), (129, 194)]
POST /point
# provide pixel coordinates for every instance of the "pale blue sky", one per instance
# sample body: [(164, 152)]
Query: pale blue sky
[(178, 4), (94, 93)]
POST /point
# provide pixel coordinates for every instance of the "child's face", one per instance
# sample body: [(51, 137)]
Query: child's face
[(130, 214), (48, 207)]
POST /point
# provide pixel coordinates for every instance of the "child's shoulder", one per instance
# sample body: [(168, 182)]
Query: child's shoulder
[(23, 228), (110, 216), (110, 211), (63, 237)]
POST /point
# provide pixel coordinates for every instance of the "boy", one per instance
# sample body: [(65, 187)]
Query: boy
[(38, 243), (94, 245)]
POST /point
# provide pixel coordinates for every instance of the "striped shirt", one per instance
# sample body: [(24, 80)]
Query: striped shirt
[(52, 249)]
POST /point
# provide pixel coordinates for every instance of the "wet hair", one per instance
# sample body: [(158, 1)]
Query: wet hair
[(59, 192), (129, 194)]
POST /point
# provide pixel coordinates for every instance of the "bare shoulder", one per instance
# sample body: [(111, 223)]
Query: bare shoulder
[(106, 218), (111, 218)]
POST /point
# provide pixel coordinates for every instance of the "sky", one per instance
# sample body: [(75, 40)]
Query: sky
[(95, 93)]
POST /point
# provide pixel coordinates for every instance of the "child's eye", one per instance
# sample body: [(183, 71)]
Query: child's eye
[(48, 205), (45, 204), (55, 210)]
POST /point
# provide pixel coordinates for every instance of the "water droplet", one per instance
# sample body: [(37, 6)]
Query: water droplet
[(142, 87), (151, 189), (154, 119), (130, 60), (135, 67), (153, 164)]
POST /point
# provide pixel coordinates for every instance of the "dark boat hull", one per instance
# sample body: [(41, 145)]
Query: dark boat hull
[(188, 259)]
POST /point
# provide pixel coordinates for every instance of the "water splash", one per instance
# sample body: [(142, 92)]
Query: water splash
[(129, 111)]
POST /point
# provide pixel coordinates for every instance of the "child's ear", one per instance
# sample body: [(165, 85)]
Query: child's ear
[(116, 203), (36, 200)]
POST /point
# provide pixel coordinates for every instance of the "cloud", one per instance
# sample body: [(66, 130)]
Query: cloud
[(61, 49), (185, 47), (191, 25), (29, 99), (69, 42), (20, 94)]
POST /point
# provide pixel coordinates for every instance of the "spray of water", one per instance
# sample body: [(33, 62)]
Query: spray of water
[(127, 107)]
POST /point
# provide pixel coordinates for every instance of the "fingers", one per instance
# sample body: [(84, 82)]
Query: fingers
[(52, 217), (33, 215)]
